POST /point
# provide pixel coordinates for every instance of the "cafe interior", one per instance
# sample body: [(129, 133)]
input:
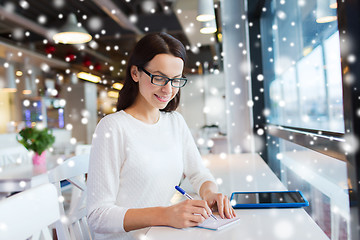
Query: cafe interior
[(271, 101)]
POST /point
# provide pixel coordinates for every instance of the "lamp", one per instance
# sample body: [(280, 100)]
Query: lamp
[(117, 86), (208, 27), (29, 77), (73, 78), (324, 13), (27, 88), (205, 10), (333, 4), (89, 77), (113, 94), (71, 33)]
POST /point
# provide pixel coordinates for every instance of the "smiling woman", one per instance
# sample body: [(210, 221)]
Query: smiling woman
[(141, 57), (142, 151), (167, 65)]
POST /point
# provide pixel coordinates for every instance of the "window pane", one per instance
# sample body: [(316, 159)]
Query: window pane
[(312, 89), (302, 69), (322, 179)]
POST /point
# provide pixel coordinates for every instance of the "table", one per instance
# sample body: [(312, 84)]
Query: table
[(248, 172), (14, 154), (22, 176)]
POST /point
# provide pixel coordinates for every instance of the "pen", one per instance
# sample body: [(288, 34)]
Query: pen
[(182, 191)]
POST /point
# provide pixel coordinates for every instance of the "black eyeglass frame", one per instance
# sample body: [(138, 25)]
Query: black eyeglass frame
[(166, 82)]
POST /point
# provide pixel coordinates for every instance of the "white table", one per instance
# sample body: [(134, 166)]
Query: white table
[(248, 172), (12, 155), (19, 177)]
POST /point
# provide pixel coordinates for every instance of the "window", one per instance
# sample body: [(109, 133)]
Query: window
[(301, 60), (303, 91)]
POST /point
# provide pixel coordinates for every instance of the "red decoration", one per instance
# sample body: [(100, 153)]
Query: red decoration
[(97, 67), (49, 49), (70, 57), (87, 62)]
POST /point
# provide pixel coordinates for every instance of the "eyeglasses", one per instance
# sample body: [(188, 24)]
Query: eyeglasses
[(162, 80)]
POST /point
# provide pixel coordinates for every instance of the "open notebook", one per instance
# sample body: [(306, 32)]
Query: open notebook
[(219, 224)]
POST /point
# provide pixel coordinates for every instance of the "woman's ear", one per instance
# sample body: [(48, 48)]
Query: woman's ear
[(134, 73)]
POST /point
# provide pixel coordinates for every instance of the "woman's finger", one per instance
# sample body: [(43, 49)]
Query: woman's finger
[(227, 207), (220, 204), (202, 204), (196, 218), (200, 211), (233, 212)]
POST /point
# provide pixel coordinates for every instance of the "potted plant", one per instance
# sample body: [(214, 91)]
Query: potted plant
[(37, 140)]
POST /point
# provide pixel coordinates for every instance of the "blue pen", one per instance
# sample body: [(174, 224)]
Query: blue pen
[(182, 191)]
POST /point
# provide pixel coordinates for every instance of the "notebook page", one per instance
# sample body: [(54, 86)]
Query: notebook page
[(219, 224)]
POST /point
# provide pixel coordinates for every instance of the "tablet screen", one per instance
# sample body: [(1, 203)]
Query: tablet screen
[(268, 197)]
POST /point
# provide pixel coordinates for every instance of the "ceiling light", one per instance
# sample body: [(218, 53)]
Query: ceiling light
[(208, 27), (324, 13), (148, 6), (333, 4), (113, 94), (117, 86), (88, 77), (219, 37), (307, 51), (19, 73), (205, 10), (71, 33)]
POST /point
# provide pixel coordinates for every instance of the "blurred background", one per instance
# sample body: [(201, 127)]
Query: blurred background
[(272, 77)]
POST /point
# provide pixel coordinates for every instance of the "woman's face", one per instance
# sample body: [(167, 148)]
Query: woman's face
[(158, 96)]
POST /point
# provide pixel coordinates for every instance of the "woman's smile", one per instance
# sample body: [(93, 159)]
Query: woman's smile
[(165, 98)]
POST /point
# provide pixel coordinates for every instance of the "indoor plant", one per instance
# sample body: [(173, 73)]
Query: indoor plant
[(37, 140)]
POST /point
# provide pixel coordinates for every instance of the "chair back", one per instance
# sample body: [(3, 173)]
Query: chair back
[(82, 149), (73, 170), (29, 214)]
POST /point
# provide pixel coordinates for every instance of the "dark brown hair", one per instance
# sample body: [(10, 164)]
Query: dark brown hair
[(145, 50)]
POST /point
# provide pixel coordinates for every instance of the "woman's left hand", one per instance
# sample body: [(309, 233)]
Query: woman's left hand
[(221, 203)]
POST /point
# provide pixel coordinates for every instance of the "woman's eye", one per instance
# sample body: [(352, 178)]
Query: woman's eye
[(160, 78)]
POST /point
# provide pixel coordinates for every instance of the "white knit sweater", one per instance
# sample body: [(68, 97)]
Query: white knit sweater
[(137, 165)]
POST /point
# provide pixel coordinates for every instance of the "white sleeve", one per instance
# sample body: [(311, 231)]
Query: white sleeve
[(194, 168), (106, 158)]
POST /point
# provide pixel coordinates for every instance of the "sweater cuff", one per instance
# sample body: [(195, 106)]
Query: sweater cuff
[(199, 183), (108, 220)]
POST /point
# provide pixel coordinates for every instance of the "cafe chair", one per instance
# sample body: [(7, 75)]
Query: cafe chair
[(72, 170), (29, 214), (82, 149)]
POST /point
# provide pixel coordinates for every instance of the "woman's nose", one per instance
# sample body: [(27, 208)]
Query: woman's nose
[(167, 88)]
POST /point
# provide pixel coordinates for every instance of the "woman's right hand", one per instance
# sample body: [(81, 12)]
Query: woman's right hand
[(188, 213)]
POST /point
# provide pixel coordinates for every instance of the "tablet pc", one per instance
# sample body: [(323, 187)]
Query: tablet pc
[(270, 199)]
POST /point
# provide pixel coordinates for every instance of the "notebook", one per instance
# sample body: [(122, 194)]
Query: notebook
[(219, 224)]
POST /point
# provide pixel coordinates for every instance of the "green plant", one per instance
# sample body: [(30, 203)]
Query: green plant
[(36, 139)]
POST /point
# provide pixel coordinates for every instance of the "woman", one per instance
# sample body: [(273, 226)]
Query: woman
[(142, 151)]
